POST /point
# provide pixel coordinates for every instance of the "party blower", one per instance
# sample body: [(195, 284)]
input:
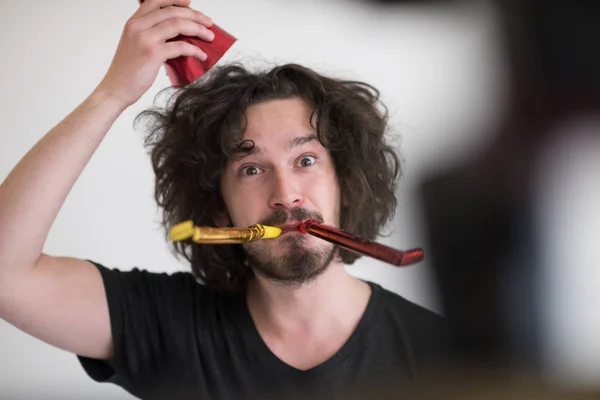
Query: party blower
[(211, 235)]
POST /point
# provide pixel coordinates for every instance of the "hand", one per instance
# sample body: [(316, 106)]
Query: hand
[(143, 46)]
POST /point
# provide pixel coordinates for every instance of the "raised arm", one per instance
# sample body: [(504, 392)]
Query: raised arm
[(56, 299)]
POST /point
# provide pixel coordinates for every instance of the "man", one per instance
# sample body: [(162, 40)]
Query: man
[(278, 317)]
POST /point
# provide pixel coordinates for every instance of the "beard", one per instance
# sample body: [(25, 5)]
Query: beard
[(300, 264)]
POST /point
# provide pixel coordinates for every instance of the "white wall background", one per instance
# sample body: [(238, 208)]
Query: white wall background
[(437, 68)]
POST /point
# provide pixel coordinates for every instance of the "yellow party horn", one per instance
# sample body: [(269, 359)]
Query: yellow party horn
[(211, 235)]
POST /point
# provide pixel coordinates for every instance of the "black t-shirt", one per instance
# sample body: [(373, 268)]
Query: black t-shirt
[(175, 339)]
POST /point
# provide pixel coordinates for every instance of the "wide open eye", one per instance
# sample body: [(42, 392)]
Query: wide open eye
[(251, 170), (306, 161)]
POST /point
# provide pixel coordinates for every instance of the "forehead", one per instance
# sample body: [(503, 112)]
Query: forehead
[(278, 121)]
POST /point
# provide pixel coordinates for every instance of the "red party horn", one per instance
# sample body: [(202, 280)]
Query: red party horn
[(184, 70)]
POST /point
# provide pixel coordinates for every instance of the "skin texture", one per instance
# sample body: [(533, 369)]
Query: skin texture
[(287, 177)]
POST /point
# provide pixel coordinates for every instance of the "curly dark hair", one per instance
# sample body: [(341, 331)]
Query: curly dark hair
[(201, 127)]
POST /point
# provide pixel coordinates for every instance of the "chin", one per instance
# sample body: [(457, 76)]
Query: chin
[(292, 242)]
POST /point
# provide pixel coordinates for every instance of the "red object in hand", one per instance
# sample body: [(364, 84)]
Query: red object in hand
[(185, 70)]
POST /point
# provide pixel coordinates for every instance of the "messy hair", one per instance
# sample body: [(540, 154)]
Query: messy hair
[(191, 139)]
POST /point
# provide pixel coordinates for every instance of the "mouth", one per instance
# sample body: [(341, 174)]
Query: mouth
[(290, 227)]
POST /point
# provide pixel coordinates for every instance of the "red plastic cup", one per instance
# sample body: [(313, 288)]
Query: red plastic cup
[(184, 70)]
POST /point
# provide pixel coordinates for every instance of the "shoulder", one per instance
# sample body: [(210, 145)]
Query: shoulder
[(395, 302), (142, 276), (144, 286), (418, 322), (425, 332)]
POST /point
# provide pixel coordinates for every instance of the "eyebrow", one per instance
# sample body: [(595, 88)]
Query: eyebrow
[(299, 141), (295, 142)]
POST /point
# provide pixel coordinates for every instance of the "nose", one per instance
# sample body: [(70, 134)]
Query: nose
[(286, 192)]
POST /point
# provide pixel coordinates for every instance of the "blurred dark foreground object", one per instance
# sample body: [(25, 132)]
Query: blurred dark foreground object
[(472, 386), (459, 383), (482, 209), (479, 216)]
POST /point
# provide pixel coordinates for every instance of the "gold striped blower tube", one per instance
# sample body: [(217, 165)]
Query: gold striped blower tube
[(211, 235)]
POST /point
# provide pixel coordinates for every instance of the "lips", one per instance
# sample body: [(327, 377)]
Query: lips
[(289, 227)]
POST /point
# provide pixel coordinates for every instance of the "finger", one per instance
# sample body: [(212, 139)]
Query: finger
[(147, 6), (180, 48), (156, 17), (178, 26)]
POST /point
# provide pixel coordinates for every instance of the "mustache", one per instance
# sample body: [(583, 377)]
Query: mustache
[(280, 217)]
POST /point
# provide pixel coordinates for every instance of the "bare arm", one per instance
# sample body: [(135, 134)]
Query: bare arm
[(61, 300)]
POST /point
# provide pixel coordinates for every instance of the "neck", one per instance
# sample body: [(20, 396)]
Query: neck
[(333, 297)]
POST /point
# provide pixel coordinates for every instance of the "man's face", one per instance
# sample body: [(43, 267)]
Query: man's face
[(288, 176)]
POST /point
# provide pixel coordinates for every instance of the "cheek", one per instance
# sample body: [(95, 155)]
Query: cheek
[(231, 198), (325, 192), (245, 203)]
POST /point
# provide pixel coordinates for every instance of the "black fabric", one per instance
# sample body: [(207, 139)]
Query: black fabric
[(175, 339)]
